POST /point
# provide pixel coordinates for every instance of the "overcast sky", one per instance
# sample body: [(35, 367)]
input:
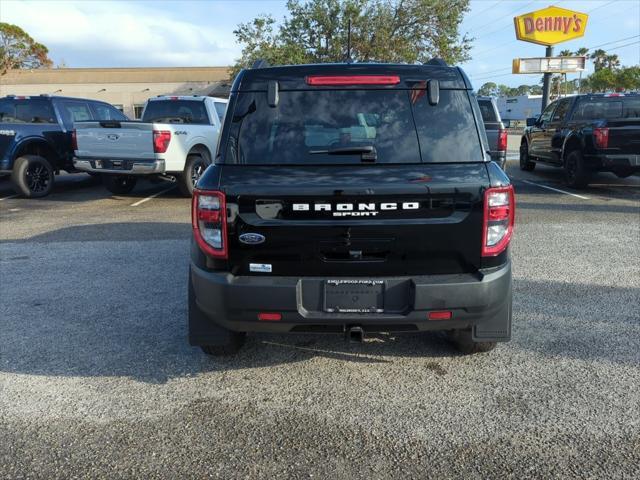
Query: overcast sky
[(200, 33)]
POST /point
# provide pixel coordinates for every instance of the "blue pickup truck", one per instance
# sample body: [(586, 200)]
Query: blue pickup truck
[(36, 140)]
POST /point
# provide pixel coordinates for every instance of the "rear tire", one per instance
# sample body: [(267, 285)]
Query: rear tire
[(119, 184), (32, 176), (525, 162), (221, 341), (193, 170), (463, 341), (576, 173)]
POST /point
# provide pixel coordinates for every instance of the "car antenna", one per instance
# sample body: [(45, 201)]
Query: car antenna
[(349, 59)]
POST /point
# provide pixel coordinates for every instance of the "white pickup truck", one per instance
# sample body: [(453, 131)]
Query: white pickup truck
[(177, 138)]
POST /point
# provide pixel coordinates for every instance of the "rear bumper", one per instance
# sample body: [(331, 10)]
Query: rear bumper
[(124, 167), (481, 301), (618, 161)]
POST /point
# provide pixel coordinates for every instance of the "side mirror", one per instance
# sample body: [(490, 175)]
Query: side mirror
[(532, 121)]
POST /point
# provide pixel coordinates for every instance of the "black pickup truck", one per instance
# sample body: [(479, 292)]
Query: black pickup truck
[(36, 137), (351, 198), (584, 134)]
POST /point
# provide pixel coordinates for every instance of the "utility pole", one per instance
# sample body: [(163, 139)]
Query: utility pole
[(546, 82)]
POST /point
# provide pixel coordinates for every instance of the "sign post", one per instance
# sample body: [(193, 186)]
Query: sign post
[(548, 27), (546, 81)]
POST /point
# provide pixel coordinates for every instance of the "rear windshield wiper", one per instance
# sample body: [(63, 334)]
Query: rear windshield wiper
[(367, 152)]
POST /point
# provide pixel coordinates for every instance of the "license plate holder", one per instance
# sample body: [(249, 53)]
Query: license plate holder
[(354, 296)]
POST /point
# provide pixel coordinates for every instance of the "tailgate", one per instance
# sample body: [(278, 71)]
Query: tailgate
[(117, 140), (387, 220), (624, 136)]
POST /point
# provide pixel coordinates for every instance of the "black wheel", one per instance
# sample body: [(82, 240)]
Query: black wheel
[(193, 170), (32, 176), (221, 341), (576, 173), (119, 184), (525, 162), (463, 341)]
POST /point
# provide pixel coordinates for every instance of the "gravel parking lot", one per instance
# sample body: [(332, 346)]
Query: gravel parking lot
[(97, 378)]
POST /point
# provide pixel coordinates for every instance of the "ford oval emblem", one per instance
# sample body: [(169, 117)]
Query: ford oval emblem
[(252, 238)]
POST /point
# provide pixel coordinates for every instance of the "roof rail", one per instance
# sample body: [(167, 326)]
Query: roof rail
[(437, 62), (260, 63)]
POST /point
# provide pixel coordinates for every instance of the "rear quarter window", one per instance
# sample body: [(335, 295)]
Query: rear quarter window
[(607, 108), (191, 112), (34, 110), (487, 111)]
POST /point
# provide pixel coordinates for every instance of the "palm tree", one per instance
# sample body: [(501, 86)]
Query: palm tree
[(582, 52), (566, 53), (599, 59)]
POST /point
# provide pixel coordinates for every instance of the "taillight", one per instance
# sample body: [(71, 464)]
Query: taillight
[(499, 216), (161, 139), (74, 140), (502, 140), (353, 80), (209, 222), (601, 137)]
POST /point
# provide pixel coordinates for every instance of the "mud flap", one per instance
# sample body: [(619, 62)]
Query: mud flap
[(497, 326)]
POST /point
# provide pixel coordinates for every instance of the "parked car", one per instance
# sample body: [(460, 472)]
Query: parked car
[(35, 137), (496, 131), (310, 221), (177, 137), (584, 134)]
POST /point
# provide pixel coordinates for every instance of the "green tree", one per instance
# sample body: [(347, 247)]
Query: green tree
[(581, 52), (628, 78), (602, 80), (19, 51), (566, 53), (315, 31), (488, 89)]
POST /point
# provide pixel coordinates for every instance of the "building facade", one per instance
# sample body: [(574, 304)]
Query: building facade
[(126, 88)]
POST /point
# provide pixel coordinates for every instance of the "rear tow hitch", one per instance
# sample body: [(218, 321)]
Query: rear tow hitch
[(355, 334)]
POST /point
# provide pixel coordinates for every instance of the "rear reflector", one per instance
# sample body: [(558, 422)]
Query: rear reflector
[(440, 315), (353, 80), (269, 317)]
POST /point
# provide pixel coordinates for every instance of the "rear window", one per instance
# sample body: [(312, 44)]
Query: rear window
[(607, 108), (349, 126), (487, 111), (34, 110), (176, 111)]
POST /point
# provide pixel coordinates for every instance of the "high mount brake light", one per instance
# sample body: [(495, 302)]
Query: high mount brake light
[(498, 220), (161, 140), (353, 80), (601, 137), (209, 222), (502, 140)]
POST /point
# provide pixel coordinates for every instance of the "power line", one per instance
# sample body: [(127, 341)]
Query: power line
[(622, 46), (600, 6), (503, 16), (614, 41), (485, 10)]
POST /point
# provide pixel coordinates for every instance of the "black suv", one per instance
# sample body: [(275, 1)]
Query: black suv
[(351, 198), (36, 137), (585, 134)]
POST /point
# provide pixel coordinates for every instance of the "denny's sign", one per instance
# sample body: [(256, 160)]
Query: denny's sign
[(550, 25)]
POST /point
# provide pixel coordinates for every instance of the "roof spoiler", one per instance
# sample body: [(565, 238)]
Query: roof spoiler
[(436, 62)]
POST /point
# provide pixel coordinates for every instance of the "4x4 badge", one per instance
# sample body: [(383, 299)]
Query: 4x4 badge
[(252, 238)]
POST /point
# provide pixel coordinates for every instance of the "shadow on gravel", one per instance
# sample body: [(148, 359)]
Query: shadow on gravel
[(584, 208), (119, 309), (114, 232)]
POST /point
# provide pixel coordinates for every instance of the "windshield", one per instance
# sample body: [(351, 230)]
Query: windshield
[(352, 126), (176, 111)]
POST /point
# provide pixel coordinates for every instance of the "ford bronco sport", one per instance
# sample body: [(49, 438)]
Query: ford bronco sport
[(351, 198)]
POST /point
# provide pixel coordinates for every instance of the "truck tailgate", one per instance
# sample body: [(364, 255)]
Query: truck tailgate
[(117, 140)]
